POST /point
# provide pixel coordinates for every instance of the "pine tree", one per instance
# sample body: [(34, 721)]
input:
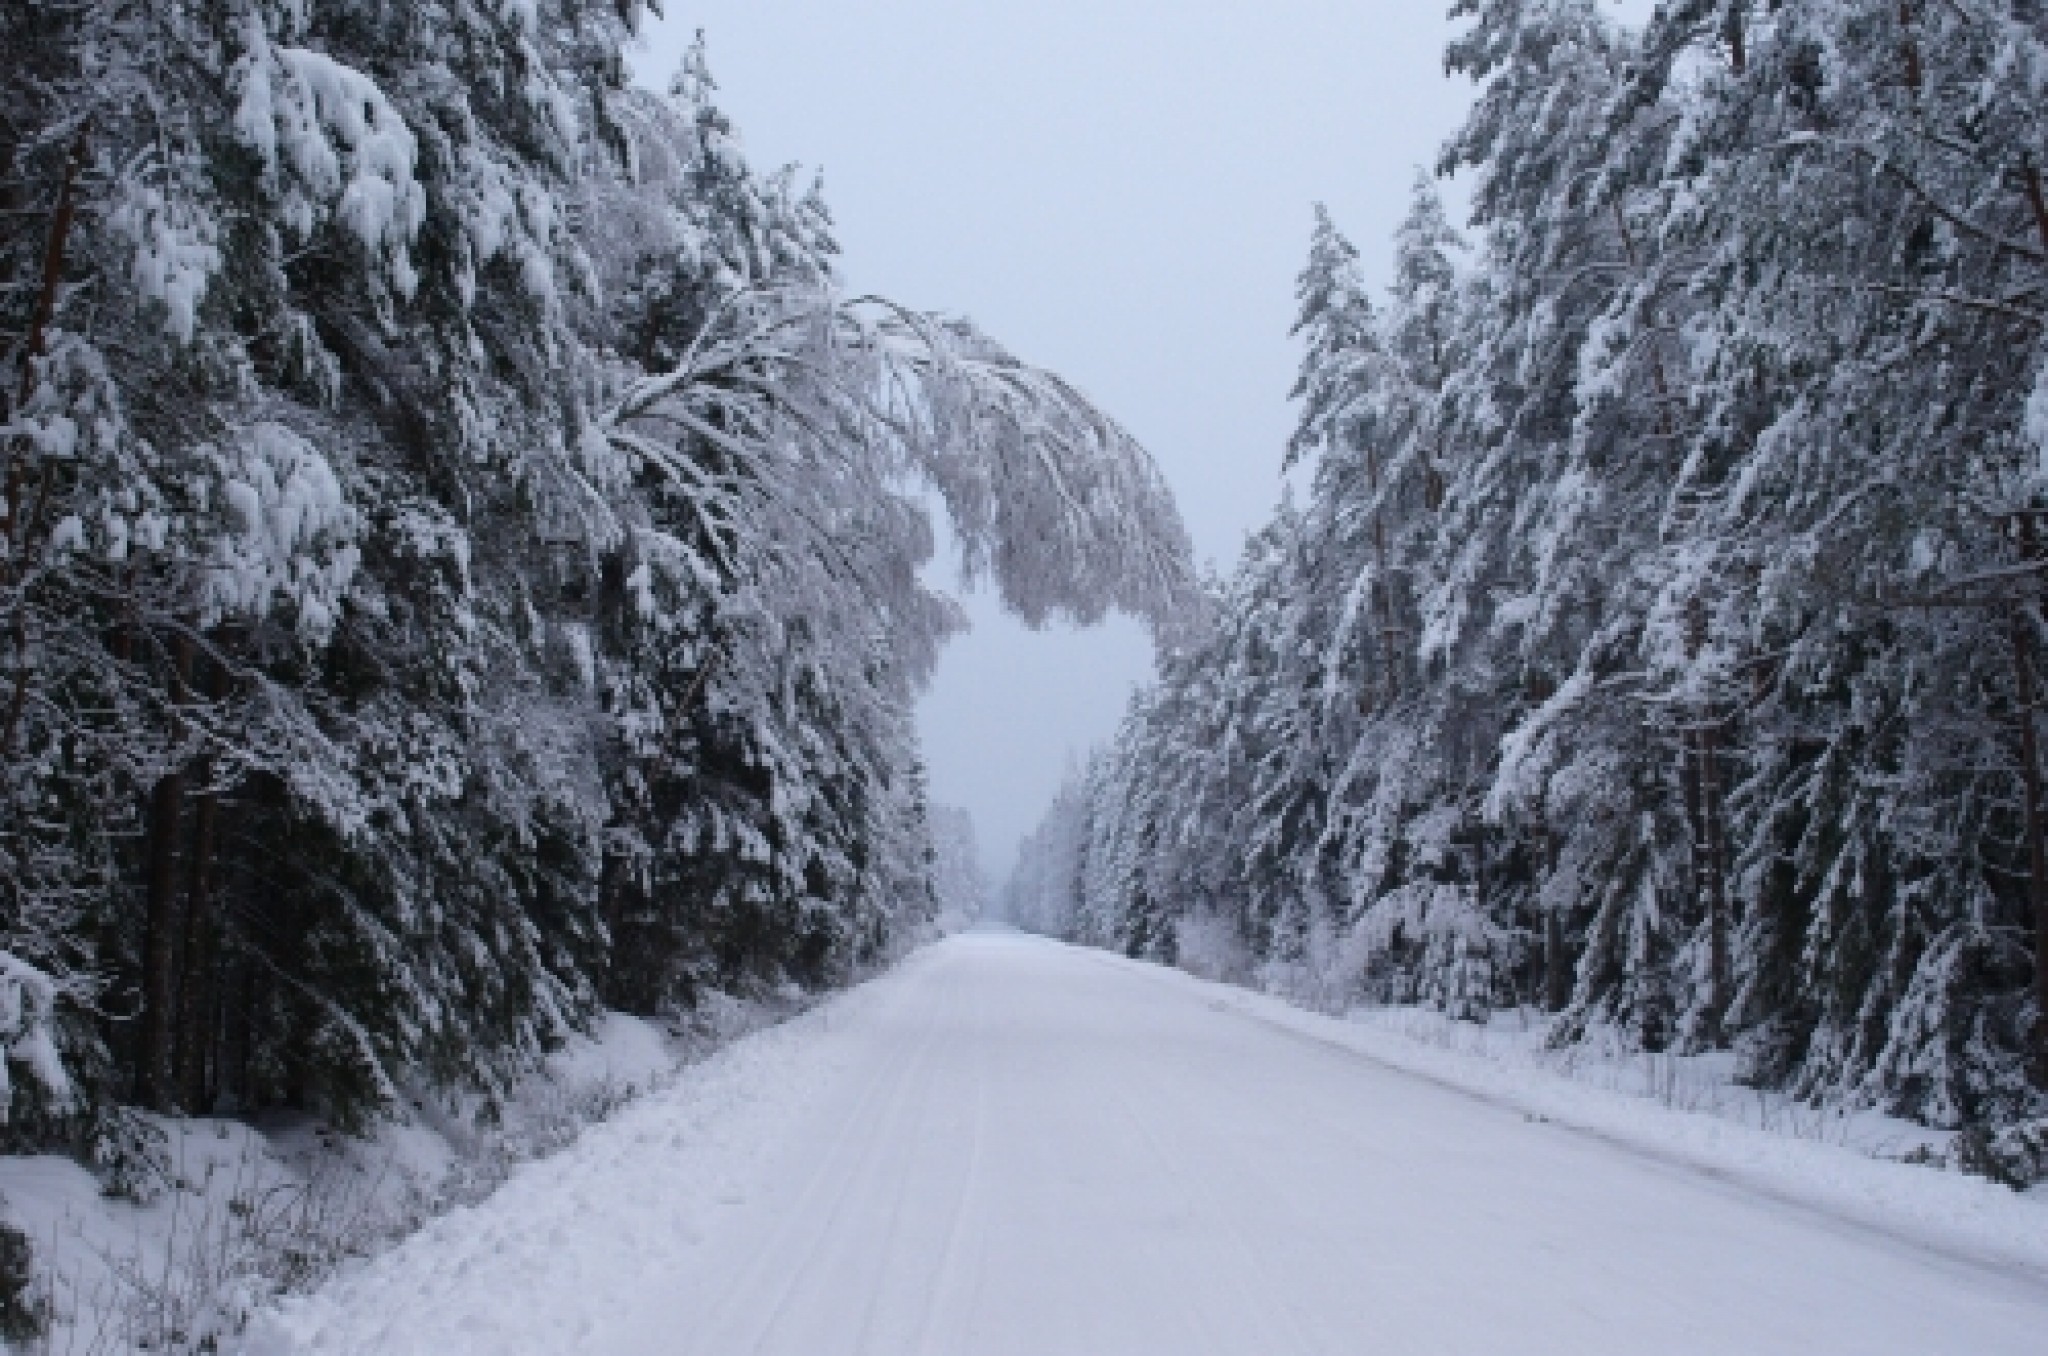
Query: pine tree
[(463, 564), (1668, 582)]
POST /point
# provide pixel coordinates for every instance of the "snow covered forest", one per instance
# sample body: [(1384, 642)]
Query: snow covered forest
[(463, 557), (1657, 639)]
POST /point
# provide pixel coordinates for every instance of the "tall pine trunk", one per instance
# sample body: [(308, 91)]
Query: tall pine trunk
[(1703, 809), (197, 1025), (1557, 973), (2037, 850), (156, 1085), (20, 532), (1714, 843)]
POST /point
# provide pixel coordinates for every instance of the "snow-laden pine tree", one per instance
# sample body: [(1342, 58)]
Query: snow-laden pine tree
[(462, 554), (1668, 586), (959, 881)]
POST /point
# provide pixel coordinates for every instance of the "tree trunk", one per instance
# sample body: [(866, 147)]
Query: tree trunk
[(1557, 979), (197, 1024), (2037, 854), (1557, 976), (234, 1001), (1712, 842), (19, 531), (155, 1081), (1909, 50), (2037, 202), (2020, 620), (1382, 585), (1703, 807)]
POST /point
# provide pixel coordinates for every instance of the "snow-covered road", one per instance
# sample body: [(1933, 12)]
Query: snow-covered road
[(1009, 1146)]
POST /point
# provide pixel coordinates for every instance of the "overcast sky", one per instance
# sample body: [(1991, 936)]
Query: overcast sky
[(1120, 190)]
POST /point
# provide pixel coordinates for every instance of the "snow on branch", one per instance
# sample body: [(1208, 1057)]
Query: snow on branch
[(28, 1010), (332, 144), (291, 536), (1049, 497)]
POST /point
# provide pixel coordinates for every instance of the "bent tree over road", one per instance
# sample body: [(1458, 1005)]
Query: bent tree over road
[(1012, 1146)]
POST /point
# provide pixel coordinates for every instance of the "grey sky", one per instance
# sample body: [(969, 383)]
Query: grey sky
[(1119, 190)]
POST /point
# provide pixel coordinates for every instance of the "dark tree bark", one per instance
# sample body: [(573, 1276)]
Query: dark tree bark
[(1909, 50), (19, 529), (155, 1074), (1733, 31), (1714, 845), (197, 1019), (234, 1001), (2030, 790), (1557, 974), (1703, 807)]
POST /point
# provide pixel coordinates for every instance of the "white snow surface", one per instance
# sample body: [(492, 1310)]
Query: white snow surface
[(1010, 1146), (202, 1249)]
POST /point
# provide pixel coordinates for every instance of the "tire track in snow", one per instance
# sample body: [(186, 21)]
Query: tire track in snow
[(818, 1213), (895, 1189), (965, 1201)]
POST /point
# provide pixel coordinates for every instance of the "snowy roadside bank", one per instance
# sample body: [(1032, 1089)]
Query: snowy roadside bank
[(1844, 1167), (213, 1218), (565, 1245)]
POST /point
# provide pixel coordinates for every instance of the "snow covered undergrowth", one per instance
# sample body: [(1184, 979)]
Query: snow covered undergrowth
[(214, 1218), (544, 1263), (1704, 1083), (1686, 1110)]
